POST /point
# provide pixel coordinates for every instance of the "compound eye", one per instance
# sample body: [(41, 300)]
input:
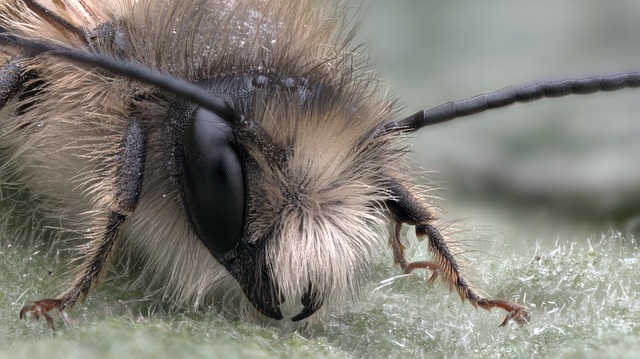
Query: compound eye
[(213, 181)]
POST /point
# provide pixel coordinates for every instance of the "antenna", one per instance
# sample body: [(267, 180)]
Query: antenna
[(509, 95)]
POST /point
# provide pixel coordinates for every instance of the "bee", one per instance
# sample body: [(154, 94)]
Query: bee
[(242, 148)]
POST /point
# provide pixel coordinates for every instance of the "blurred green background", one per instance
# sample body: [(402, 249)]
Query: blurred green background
[(548, 191)]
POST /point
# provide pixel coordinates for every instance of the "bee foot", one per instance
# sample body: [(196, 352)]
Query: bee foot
[(42, 308), (519, 315), (515, 312)]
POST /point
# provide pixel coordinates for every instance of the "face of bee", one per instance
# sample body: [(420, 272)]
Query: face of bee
[(301, 214)]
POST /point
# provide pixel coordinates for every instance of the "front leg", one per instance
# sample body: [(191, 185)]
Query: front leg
[(126, 193), (408, 208)]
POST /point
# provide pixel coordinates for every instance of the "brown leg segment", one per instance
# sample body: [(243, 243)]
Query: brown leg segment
[(91, 273), (408, 209), (400, 259), (451, 275), (127, 193)]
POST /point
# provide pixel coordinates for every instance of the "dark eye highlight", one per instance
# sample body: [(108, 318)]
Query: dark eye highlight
[(213, 181)]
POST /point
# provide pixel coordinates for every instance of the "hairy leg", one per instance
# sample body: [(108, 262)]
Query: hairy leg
[(408, 209), (126, 191)]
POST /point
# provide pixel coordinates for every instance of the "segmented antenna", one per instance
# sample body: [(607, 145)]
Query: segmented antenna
[(509, 95)]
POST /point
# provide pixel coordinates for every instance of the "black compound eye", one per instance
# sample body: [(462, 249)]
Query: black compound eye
[(213, 181)]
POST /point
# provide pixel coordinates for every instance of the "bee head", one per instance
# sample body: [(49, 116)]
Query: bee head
[(291, 202)]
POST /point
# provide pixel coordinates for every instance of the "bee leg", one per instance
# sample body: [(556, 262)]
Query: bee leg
[(90, 274), (127, 189), (12, 80), (407, 208)]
